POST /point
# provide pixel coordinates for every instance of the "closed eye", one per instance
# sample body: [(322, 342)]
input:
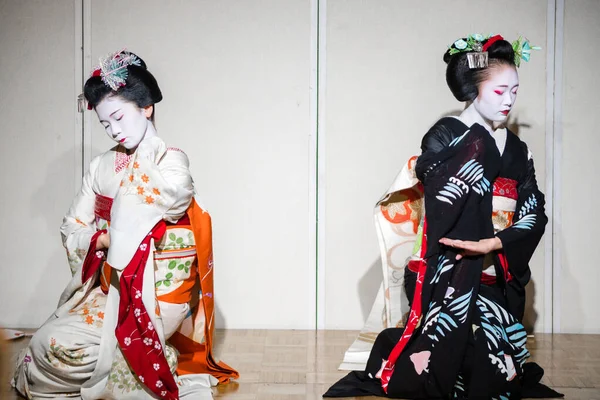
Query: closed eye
[(499, 92)]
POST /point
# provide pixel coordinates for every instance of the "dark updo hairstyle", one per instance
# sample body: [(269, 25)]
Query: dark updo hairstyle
[(463, 81), (140, 87)]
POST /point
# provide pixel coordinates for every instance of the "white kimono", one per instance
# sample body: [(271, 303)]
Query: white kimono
[(75, 354)]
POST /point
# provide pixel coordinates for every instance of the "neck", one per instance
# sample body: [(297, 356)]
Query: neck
[(150, 132), (471, 116)]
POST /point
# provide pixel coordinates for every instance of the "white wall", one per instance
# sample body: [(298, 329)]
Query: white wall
[(385, 86), (577, 235), (40, 158), (235, 81)]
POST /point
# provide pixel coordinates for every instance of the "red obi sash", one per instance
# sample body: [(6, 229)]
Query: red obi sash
[(505, 187), (102, 207)]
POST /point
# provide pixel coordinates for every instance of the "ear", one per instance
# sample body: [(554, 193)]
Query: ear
[(148, 111)]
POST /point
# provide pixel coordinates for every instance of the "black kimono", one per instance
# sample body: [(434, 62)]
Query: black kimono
[(463, 338)]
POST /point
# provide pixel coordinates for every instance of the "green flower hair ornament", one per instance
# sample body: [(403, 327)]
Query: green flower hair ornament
[(474, 43), (522, 49)]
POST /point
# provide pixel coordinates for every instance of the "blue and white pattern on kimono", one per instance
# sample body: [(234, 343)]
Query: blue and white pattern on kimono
[(470, 175)]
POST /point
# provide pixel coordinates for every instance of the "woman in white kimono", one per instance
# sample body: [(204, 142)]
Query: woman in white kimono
[(136, 320)]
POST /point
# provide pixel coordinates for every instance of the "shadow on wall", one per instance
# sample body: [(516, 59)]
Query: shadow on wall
[(368, 286), (531, 315), (569, 295), (47, 208)]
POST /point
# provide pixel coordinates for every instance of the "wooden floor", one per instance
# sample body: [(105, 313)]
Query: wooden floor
[(303, 364)]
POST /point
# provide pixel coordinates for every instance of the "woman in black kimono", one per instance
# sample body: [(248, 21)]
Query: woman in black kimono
[(484, 217)]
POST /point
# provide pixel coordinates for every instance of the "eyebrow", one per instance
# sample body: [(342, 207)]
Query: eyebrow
[(113, 113)]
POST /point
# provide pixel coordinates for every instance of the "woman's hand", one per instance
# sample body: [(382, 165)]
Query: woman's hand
[(103, 241), (470, 248)]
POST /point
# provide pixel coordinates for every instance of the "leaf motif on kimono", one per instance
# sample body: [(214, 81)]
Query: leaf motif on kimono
[(482, 187), (444, 265), (517, 335), (454, 189), (528, 206), (460, 306), (459, 387), (457, 140), (494, 320), (445, 323), (527, 222), (471, 172), (470, 175), (486, 305), (432, 316), (493, 336), (522, 356), (492, 332)]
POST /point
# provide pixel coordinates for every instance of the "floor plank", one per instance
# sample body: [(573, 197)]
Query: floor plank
[(301, 365)]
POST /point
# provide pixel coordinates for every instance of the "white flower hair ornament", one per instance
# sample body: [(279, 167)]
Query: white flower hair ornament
[(113, 69)]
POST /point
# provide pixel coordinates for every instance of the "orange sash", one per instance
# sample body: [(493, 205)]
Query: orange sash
[(194, 357)]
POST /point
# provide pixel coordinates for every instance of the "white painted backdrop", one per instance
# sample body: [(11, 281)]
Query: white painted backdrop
[(235, 77), (239, 86), (385, 86), (40, 157), (577, 294)]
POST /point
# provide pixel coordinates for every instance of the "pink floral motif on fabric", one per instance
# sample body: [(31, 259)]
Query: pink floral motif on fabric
[(121, 161), (421, 361), (135, 332)]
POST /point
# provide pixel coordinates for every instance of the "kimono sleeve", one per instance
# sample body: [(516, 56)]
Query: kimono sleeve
[(455, 179), (521, 239), (79, 223)]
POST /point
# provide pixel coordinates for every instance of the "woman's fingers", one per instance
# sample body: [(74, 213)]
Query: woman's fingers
[(462, 244), (455, 243), (469, 248)]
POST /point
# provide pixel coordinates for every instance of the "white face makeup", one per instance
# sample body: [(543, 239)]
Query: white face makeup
[(124, 122), (497, 95)]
